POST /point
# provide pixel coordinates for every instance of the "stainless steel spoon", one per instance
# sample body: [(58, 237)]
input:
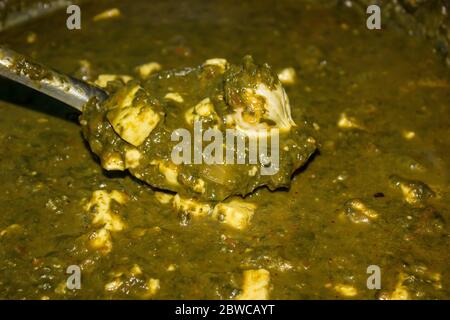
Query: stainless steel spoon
[(74, 92)]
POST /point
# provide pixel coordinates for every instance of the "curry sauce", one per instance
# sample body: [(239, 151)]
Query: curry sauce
[(375, 192)]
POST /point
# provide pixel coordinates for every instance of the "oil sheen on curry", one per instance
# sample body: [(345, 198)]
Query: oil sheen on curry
[(359, 179)]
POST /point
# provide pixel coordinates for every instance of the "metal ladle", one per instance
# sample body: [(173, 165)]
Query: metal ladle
[(73, 92)]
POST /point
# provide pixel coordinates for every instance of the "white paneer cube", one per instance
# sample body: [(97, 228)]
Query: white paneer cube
[(133, 124), (346, 290), (221, 63), (168, 169), (287, 76), (174, 96), (132, 158), (204, 108), (256, 285), (100, 206), (101, 240), (235, 213), (145, 70), (163, 197), (113, 161), (152, 286)]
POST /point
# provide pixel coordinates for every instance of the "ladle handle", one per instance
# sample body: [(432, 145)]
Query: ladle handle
[(67, 89)]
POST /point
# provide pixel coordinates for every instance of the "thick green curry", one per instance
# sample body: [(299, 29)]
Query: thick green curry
[(375, 104)]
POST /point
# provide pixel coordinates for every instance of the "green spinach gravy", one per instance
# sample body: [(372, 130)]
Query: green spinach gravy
[(373, 108)]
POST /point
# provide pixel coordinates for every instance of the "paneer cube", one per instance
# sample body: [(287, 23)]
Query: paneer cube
[(346, 290), (221, 63), (174, 96), (101, 240), (163, 197), (168, 169), (235, 213), (145, 70), (133, 124), (152, 287), (287, 76), (112, 161), (100, 206), (202, 110), (256, 285), (132, 158)]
